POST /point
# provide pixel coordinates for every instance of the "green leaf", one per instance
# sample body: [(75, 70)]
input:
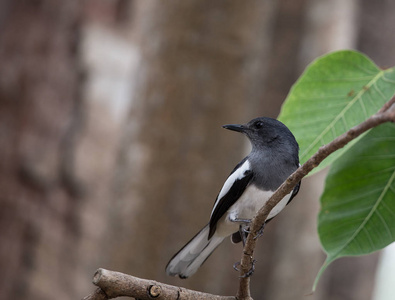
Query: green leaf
[(335, 93), (358, 204)]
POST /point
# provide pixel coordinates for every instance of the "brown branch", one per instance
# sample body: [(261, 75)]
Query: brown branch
[(98, 294), (387, 106), (385, 114), (114, 284)]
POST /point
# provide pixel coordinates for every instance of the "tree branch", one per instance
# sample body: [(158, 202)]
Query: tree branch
[(114, 284), (385, 114)]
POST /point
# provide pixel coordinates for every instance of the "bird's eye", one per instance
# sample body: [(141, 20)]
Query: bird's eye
[(258, 124)]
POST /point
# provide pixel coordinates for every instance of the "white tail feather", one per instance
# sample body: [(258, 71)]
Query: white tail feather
[(188, 260)]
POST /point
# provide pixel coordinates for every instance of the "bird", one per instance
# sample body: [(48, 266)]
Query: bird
[(273, 157)]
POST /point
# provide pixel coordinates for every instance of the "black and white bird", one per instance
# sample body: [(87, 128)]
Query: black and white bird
[(273, 157)]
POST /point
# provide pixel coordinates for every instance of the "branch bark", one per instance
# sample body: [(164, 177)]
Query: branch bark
[(385, 114), (114, 284)]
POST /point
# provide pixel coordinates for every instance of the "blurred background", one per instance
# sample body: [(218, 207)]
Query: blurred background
[(111, 146)]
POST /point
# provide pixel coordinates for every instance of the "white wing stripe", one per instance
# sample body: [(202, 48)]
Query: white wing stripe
[(236, 175)]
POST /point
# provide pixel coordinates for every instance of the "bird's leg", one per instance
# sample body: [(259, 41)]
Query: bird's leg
[(243, 228), (237, 220), (244, 231)]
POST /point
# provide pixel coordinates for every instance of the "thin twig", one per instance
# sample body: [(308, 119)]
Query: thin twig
[(385, 114)]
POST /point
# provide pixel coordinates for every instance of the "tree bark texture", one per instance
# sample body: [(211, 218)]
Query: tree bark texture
[(115, 284), (57, 147), (40, 117)]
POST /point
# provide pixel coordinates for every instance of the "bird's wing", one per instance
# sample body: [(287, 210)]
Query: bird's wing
[(295, 191), (233, 188)]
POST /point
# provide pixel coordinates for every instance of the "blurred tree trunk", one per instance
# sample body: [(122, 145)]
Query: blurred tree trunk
[(376, 36), (202, 67), (63, 94), (40, 118)]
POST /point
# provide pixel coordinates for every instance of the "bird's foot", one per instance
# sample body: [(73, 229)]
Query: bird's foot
[(249, 272), (235, 266), (244, 230)]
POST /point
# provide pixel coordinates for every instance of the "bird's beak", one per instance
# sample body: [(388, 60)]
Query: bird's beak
[(235, 127)]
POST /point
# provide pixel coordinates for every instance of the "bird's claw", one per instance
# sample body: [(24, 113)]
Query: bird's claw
[(260, 232), (249, 272), (247, 230), (235, 266)]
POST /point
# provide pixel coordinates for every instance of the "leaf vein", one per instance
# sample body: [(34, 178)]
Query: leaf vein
[(340, 115), (367, 218), (389, 209), (363, 108), (392, 189), (369, 237), (385, 224), (379, 91), (388, 80)]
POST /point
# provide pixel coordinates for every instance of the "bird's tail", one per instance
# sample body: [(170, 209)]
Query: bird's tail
[(188, 260)]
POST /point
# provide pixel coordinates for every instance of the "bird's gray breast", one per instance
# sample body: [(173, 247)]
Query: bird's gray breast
[(270, 171)]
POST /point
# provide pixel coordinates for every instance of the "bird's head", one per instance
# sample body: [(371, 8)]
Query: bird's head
[(266, 132)]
